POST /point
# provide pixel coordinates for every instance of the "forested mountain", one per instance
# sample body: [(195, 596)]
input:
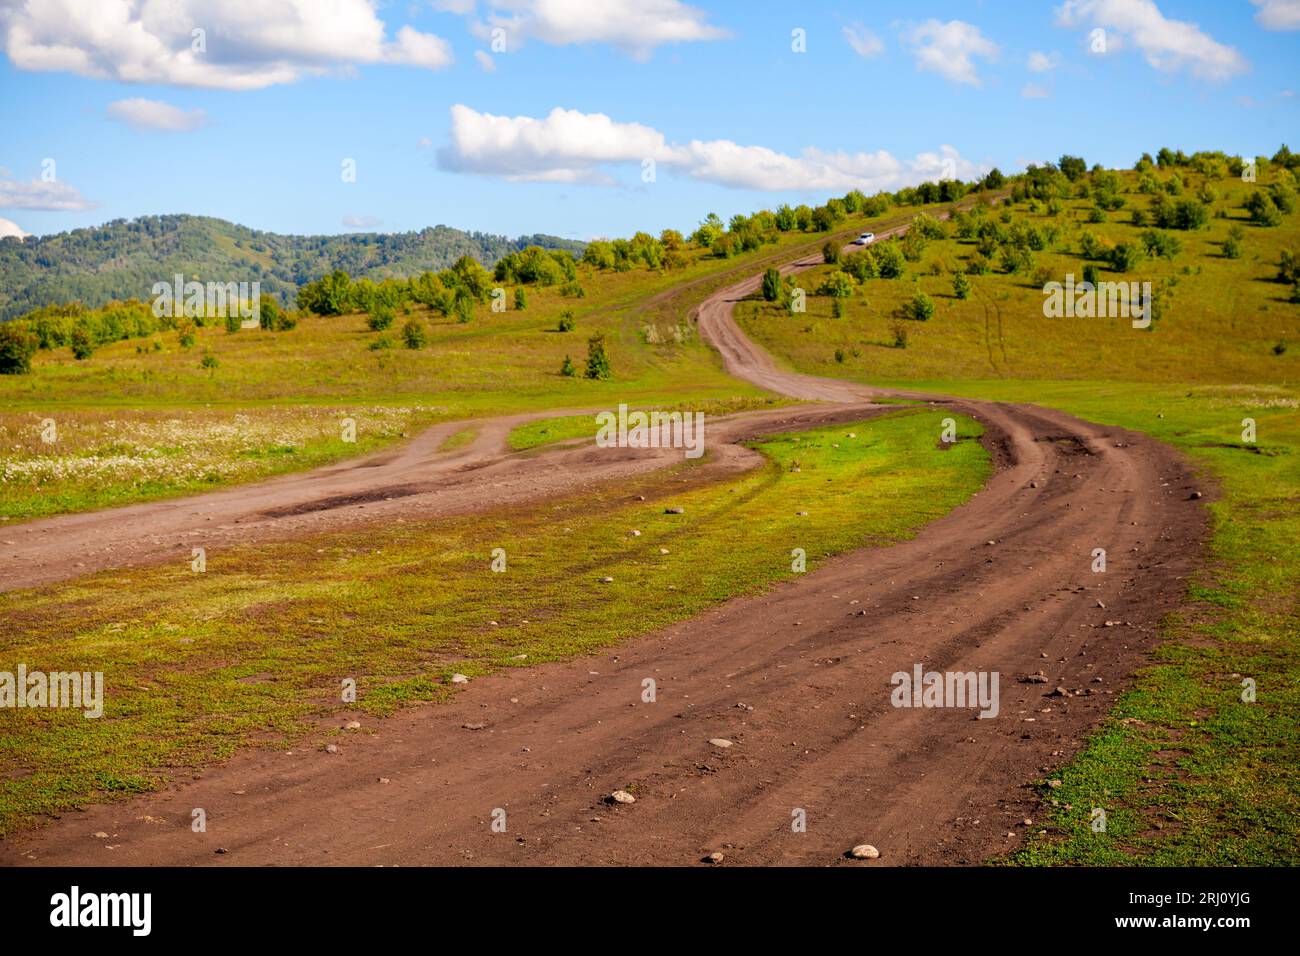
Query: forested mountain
[(122, 259)]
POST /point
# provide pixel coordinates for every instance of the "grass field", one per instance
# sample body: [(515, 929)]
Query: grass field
[(254, 649), (137, 422)]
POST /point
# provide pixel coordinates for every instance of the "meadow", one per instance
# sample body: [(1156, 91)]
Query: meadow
[(252, 651), (1190, 773)]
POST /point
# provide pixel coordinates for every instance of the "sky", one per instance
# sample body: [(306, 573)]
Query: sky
[(586, 118)]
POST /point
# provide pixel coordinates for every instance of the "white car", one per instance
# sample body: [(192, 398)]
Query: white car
[(866, 239)]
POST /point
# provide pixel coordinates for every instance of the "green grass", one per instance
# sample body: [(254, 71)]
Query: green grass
[(545, 431), (459, 439), (254, 649)]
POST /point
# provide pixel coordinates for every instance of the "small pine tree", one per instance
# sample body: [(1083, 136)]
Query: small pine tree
[(567, 368), (961, 286), (772, 285), (597, 358), (521, 298), (566, 321), (413, 334), (922, 307), (837, 308)]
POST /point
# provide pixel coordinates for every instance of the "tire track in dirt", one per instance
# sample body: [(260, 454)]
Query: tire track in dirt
[(798, 678)]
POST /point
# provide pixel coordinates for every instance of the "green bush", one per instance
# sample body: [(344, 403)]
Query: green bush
[(413, 334), (567, 368), (566, 321), (597, 358), (521, 298), (831, 252), (921, 308), (961, 286), (380, 319), (771, 285), (18, 344), (82, 346)]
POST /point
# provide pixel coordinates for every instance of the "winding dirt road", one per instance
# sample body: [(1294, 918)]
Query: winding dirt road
[(797, 679)]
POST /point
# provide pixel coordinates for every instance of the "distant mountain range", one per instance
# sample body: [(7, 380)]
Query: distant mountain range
[(122, 259)]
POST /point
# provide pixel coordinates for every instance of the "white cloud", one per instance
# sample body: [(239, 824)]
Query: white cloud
[(144, 114), (1042, 62), (636, 27), (462, 7), (245, 44), (1168, 45), (361, 222), (570, 146), (485, 60), (1033, 91), (1278, 14), (864, 42), (424, 143), (949, 48), (37, 194), (10, 228)]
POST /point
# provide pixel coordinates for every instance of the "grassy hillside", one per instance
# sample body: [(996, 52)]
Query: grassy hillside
[(123, 259), (1187, 771)]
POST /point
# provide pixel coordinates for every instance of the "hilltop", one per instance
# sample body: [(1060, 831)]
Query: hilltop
[(122, 259)]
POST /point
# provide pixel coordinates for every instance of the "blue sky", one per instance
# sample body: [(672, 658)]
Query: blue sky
[(255, 126)]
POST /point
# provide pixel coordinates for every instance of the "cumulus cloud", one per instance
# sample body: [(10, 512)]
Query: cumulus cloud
[(10, 228), (571, 146), (636, 27), (1168, 45), (1278, 14), (485, 60), (145, 114), (226, 44), (950, 49), (38, 194), (1041, 62), (864, 42)]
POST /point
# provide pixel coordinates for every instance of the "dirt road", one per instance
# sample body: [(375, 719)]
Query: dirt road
[(798, 680)]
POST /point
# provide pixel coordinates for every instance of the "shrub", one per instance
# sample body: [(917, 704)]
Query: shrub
[(383, 342), (380, 319), (961, 286), (1288, 267), (899, 330), (1125, 257), (1091, 274), (1263, 211), (860, 265), (831, 252), (82, 346), (567, 368), (413, 334), (921, 308), (837, 284), (521, 298), (270, 317), (464, 308), (837, 308), (771, 285), (978, 266), (232, 322), (17, 346), (1162, 245), (573, 290), (839, 356), (209, 361), (889, 260), (566, 321), (597, 357)]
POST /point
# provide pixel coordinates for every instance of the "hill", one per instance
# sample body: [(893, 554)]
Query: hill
[(122, 259)]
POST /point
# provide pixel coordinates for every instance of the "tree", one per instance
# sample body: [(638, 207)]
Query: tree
[(567, 368), (521, 298), (380, 319), (1263, 211), (837, 284), (82, 346), (413, 334), (831, 251), (961, 286), (566, 323), (17, 346), (994, 179), (889, 260), (921, 308), (771, 285), (597, 358), (1073, 167), (1232, 245), (1125, 256)]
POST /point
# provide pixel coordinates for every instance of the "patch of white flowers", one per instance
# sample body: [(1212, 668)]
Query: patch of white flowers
[(142, 446)]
